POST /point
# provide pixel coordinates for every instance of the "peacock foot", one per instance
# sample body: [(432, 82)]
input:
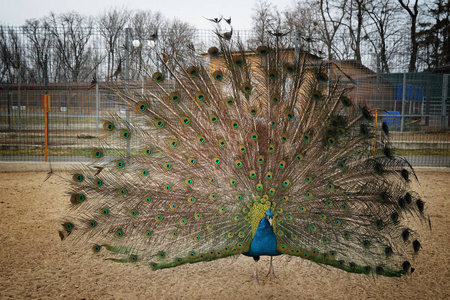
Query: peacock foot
[(254, 278), (271, 274)]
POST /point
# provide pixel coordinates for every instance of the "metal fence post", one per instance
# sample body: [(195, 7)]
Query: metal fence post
[(18, 102), (8, 97), (427, 103), (378, 72), (127, 77), (402, 122), (97, 104), (444, 99)]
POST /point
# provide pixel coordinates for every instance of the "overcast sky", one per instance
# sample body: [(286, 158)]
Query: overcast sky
[(15, 12)]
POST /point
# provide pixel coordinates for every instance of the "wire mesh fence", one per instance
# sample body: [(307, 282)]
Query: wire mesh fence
[(414, 105)]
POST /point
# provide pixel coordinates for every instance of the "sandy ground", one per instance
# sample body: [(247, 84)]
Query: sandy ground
[(34, 263)]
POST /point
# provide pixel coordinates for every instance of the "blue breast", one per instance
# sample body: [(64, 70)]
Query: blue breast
[(264, 242)]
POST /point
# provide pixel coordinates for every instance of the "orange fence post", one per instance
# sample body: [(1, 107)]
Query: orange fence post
[(46, 111)]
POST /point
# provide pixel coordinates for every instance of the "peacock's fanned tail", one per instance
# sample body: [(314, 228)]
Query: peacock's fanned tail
[(213, 141)]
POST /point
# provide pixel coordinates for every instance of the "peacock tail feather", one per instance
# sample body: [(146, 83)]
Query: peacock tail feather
[(217, 139)]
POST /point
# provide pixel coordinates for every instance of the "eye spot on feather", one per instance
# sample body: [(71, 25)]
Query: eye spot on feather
[(174, 143), (199, 96), (185, 120), (213, 51), (159, 123), (141, 106), (238, 61), (229, 101), (96, 248), (246, 88), (201, 139), (158, 77), (119, 233), (108, 126), (97, 153), (218, 75), (174, 97), (262, 50), (272, 74), (192, 71), (122, 191), (78, 177), (119, 164), (213, 118), (260, 159), (290, 68), (92, 224)]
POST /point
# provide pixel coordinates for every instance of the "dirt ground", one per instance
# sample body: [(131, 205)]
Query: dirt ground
[(34, 263)]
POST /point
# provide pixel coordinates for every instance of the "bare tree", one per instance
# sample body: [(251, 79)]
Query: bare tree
[(39, 35), (265, 18), (332, 13), (72, 32), (303, 19), (413, 13), (176, 37), (11, 54), (112, 24), (147, 26), (356, 13), (383, 31), (434, 37)]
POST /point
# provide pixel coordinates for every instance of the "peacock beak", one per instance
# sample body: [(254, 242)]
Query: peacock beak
[(270, 221)]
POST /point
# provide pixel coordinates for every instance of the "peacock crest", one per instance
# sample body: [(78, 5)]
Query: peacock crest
[(216, 143)]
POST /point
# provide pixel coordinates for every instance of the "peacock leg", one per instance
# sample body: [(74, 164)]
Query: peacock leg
[(255, 273), (271, 273)]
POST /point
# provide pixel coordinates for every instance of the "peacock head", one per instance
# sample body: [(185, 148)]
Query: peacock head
[(269, 216)]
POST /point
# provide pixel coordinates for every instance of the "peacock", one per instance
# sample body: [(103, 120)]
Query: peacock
[(252, 151)]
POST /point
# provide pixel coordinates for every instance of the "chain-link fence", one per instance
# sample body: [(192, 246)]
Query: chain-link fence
[(52, 106)]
